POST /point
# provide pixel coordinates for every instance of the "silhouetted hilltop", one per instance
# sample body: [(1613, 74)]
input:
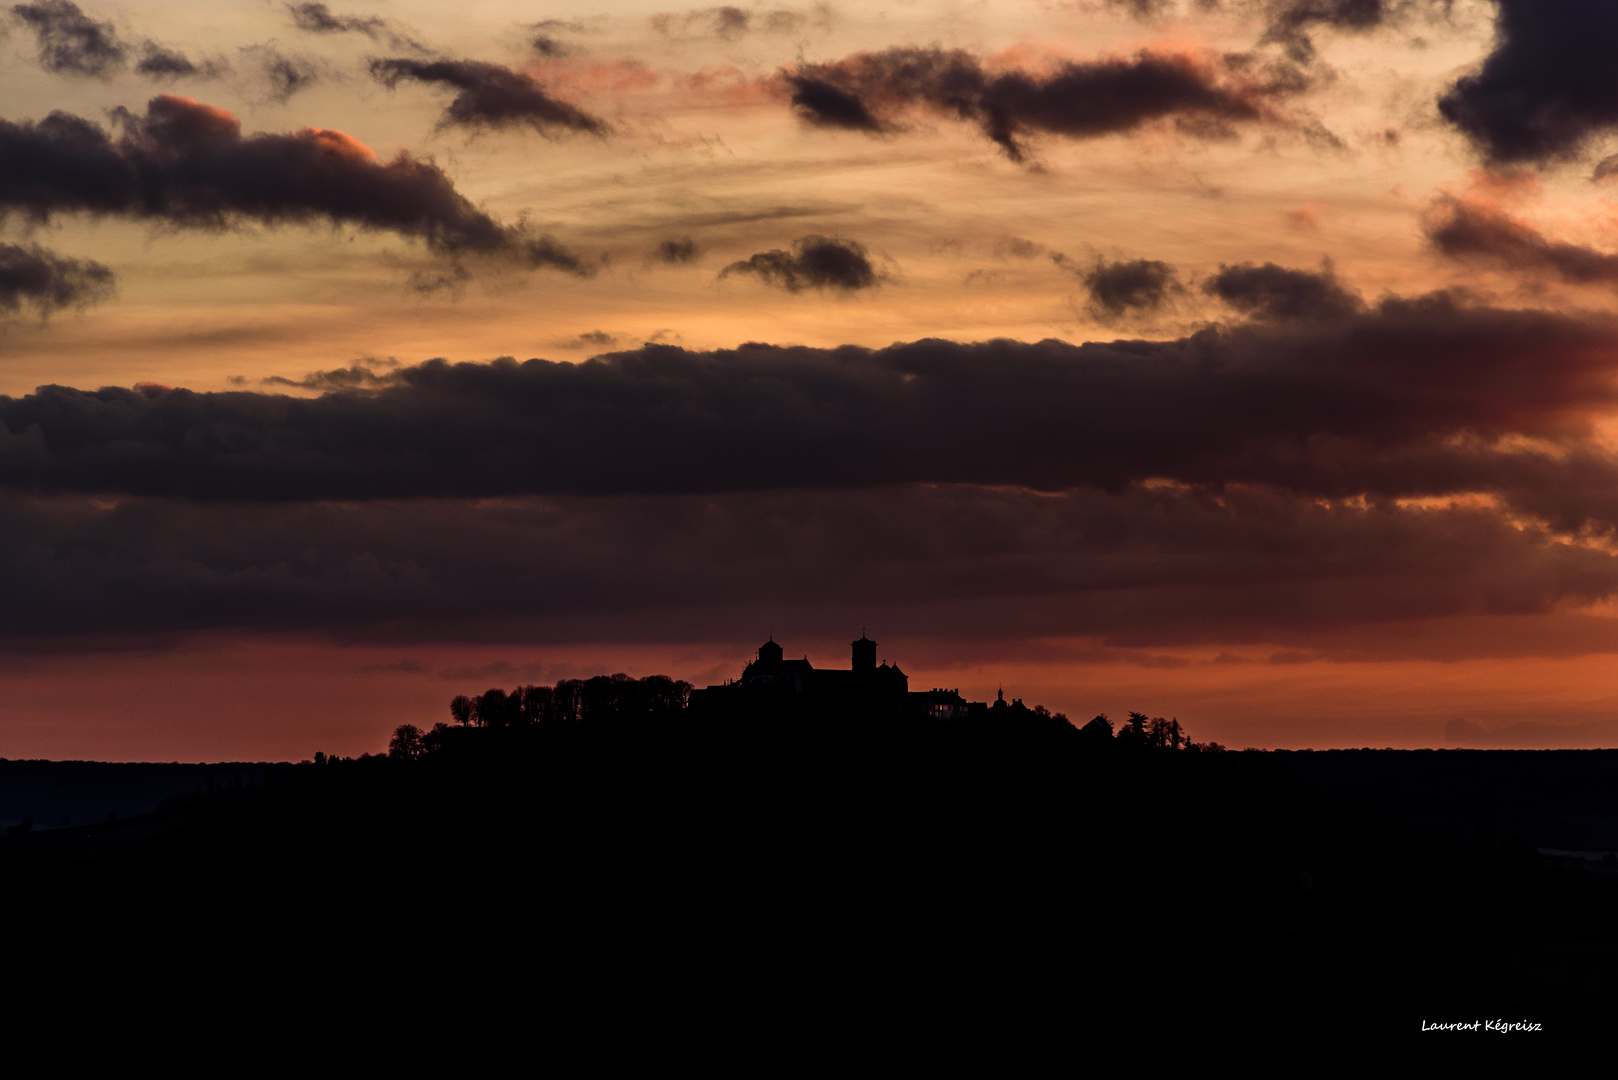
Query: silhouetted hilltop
[(820, 867)]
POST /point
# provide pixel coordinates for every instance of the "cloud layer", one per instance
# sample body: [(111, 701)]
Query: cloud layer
[(1472, 229), (72, 43), (1205, 94), (187, 164), (490, 96), (1290, 21), (1137, 567), (317, 18), (1316, 460), (815, 262), (1135, 285), (728, 23), (48, 281), (1276, 292), (1412, 399)]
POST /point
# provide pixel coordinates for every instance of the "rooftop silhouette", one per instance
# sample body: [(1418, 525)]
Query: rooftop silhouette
[(865, 685)]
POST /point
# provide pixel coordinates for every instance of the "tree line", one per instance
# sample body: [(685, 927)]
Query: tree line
[(615, 697), (1146, 733), (619, 698)]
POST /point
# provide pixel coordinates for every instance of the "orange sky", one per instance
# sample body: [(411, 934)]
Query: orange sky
[(1378, 510)]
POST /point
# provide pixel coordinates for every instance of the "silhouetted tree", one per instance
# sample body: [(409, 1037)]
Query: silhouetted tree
[(1133, 733), (433, 741), (565, 702), (405, 744), (495, 709), (534, 705), (603, 698), (665, 695)]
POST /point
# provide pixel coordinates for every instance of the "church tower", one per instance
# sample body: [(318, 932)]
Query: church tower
[(864, 654)]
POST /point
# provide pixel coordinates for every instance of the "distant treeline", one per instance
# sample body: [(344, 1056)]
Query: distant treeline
[(619, 698), (598, 699), (1147, 733)]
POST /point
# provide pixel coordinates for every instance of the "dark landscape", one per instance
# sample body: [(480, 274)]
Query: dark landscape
[(1003, 863)]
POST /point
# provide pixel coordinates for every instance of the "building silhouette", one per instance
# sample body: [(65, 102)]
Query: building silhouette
[(773, 682)]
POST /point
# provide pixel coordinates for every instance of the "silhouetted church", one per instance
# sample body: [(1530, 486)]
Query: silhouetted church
[(866, 686)]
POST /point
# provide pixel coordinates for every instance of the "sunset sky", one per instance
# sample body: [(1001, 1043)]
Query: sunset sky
[(1252, 362)]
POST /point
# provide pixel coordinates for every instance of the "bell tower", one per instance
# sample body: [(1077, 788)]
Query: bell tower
[(864, 654)]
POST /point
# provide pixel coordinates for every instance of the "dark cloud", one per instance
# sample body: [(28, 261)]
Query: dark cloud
[(73, 43), (1134, 566), (592, 339), (70, 42), (187, 164), (1547, 88), (490, 96), (361, 376), (1137, 285), (815, 262), (48, 281), (729, 23), (544, 42), (1206, 95), (1279, 293), (681, 250), (1415, 398), (825, 105), (1291, 20), (1465, 229), (159, 62), (724, 22), (1269, 482), (549, 47), (1016, 247), (317, 18), (287, 74)]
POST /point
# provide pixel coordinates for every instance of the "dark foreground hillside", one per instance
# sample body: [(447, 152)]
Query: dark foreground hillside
[(1554, 799), (54, 794), (802, 881)]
